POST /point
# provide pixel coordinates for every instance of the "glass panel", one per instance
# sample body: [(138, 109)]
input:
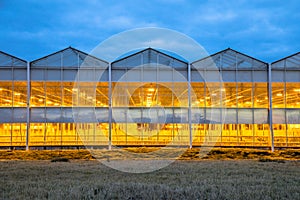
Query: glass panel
[(134, 115), (180, 115), (38, 95), (180, 94), (198, 115), (230, 117), (37, 115), (5, 134), (37, 134), (278, 116), (53, 134), (19, 115), (293, 134), (102, 95), (198, 95), (86, 94), (245, 116), (213, 116), (6, 94), (229, 99), (292, 95), (67, 115), (102, 115), (67, 93), (119, 115), (84, 115), (244, 95), (260, 93), (18, 134), (245, 134), (280, 138), (260, 116), (53, 115), (293, 116), (278, 95), (261, 135), (20, 94), (69, 134), (5, 115), (53, 94)]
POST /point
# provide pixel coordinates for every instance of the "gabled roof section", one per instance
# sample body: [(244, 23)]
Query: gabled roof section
[(289, 62), (149, 56), (7, 60), (230, 59), (69, 57)]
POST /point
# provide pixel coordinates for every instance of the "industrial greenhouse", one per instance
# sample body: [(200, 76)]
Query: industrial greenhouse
[(149, 98)]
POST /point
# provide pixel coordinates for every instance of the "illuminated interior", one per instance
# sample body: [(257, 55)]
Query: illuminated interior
[(152, 102)]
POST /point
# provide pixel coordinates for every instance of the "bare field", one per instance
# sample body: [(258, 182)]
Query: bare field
[(201, 179)]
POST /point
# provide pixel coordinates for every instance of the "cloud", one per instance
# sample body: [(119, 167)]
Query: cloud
[(241, 24)]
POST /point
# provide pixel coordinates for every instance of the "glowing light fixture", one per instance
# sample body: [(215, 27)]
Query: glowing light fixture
[(279, 94)]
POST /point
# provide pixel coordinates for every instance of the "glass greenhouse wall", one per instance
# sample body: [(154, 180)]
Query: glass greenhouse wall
[(149, 98)]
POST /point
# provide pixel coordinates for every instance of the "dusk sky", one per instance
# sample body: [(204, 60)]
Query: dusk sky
[(267, 30)]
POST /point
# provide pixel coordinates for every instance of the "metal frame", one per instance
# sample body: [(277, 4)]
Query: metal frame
[(228, 59)]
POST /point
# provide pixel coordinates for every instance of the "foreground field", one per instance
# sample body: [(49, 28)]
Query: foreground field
[(204, 179)]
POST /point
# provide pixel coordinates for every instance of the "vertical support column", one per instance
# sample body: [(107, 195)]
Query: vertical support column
[(270, 106), (28, 107), (189, 110), (285, 103), (109, 106)]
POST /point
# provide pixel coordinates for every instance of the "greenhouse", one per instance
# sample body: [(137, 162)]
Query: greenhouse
[(149, 98)]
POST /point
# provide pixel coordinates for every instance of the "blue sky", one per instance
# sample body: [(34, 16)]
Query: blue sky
[(267, 30)]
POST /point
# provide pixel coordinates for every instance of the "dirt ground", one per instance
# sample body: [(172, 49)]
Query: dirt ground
[(183, 179)]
